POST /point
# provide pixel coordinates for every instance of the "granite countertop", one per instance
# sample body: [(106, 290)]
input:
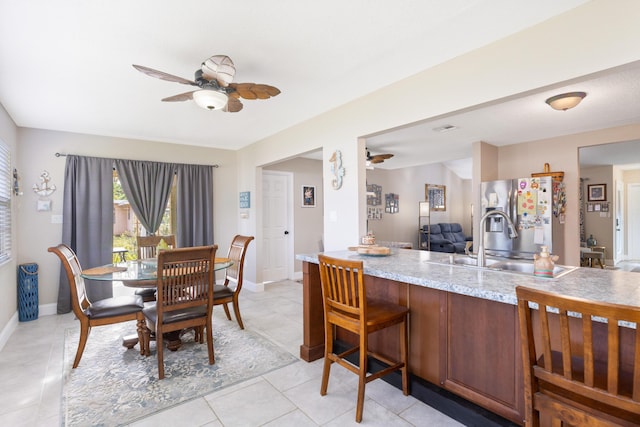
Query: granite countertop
[(433, 270)]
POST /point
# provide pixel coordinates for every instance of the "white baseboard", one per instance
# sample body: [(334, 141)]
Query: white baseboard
[(253, 287), (10, 327), (8, 330), (48, 309)]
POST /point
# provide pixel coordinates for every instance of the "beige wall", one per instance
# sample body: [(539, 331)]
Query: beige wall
[(600, 224), (409, 184), (8, 270), (35, 230)]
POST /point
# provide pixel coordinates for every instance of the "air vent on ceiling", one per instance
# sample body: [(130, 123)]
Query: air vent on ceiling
[(445, 128)]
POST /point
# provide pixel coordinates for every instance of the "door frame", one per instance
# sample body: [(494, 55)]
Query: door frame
[(632, 222), (619, 228)]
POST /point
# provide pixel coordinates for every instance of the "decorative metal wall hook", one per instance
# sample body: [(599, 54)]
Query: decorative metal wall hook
[(44, 188)]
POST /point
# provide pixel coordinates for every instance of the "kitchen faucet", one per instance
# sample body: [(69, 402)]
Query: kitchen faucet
[(513, 233)]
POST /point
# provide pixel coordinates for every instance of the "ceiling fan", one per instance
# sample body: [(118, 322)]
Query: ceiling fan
[(377, 158), (215, 88)]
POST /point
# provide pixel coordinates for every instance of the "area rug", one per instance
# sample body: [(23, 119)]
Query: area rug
[(114, 386)]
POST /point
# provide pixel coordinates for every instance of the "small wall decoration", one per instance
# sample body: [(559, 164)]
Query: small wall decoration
[(16, 183), (374, 194), (308, 196), (43, 205), (374, 213), (391, 203), (336, 169), (597, 193), (44, 188), (436, 195), (245, 200)]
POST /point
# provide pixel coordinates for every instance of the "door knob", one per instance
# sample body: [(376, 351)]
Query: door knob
[(286, 232)]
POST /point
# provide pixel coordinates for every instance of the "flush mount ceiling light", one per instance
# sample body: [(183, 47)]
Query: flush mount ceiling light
[(210, 99), (566, 100)]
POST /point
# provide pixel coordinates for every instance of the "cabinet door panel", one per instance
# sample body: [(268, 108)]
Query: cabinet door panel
[(483, 354)]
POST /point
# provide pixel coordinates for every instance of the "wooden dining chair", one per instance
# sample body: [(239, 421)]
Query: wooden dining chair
[(229, 291), (97, 313), (346, 306), (184, 298), (147, 248), (147, 245), (581, 361)]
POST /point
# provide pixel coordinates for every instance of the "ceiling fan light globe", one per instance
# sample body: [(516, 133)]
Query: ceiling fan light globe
[(210, 99)]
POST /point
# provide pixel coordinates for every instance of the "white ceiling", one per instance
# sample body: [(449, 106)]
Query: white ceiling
[(66, 65)]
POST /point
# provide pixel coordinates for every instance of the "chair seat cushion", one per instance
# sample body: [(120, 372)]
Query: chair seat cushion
[(115, 306), (221, 291), (151, 313), (146, 292)]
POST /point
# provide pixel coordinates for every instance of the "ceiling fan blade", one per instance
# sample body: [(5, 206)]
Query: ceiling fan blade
[(187, 96), (384, 156), (254, 90), (219, 68), (162, 75), (376, 160), (233, 105)]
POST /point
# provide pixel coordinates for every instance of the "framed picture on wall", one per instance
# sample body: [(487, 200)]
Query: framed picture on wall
[(597, 192), (308, 196)]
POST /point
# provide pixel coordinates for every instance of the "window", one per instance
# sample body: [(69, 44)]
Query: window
[(126, 225), (5, 203)]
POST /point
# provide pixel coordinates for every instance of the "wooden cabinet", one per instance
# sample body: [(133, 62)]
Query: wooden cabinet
[(468, 346)]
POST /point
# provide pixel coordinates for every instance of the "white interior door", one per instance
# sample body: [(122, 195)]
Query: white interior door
[(278, 236), (633, 220)]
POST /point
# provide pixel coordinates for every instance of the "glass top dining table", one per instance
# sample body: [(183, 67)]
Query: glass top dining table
[(137, 273)]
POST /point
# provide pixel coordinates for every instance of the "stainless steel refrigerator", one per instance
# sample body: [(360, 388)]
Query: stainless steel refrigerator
[(529, 204)]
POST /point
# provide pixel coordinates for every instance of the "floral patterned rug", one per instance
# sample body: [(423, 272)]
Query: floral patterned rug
[(114, 386)]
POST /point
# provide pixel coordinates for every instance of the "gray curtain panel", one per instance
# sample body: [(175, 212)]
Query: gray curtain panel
[(87, 225), (147, 186), (195, 205)]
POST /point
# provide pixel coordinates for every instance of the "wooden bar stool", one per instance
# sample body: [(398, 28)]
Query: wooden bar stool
[(581, 365), (346, 306)]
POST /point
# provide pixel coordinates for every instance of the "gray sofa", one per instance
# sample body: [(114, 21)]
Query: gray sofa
[(446, 237)]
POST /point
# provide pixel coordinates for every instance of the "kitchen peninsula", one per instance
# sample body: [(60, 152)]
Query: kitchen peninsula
[(464, 334)]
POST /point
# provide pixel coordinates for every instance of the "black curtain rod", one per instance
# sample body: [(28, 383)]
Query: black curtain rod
[(64, 155)]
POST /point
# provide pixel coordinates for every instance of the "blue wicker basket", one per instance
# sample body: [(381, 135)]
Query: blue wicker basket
[(27, 292)]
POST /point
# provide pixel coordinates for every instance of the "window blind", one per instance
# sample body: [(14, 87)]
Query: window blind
[(5, 203)]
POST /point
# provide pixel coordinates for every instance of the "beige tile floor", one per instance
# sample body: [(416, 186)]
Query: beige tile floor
[(31, 375)]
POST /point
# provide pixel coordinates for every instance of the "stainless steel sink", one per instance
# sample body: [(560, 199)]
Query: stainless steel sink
[(508, 265), (473, 262), (526, 267)]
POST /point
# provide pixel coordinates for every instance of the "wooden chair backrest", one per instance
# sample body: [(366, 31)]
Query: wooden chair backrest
[(79, 300), (147, 244), (578, 347), (236, 253), (343, 292), (185, 279)]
